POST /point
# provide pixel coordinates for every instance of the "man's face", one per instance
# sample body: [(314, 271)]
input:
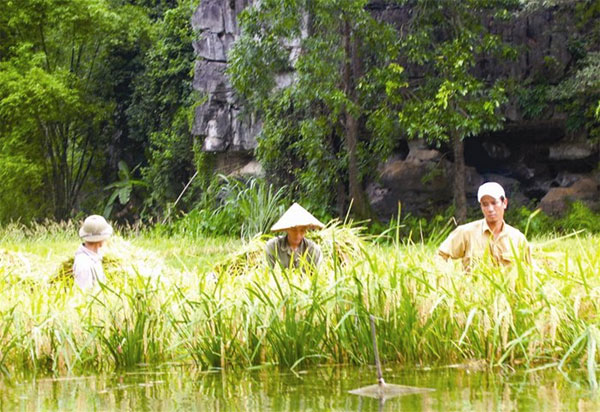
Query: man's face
[(295, 235), (493, 209)]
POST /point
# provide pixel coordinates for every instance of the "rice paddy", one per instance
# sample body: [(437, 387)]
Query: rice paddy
[(214, 303)]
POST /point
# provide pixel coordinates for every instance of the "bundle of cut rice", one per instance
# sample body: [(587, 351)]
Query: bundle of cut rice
[(64, 274), (342, 242), (250, 257), (121, 257)]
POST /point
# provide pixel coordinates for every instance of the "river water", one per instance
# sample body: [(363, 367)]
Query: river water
[(176, 388)]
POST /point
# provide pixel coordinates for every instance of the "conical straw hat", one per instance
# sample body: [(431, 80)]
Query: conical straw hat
[(296, 216)]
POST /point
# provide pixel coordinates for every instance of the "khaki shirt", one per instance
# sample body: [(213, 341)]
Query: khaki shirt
[(475, 241), (278, 250)]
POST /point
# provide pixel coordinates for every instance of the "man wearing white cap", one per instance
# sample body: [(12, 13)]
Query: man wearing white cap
[(490, 236), (87, 267), (293, 248)]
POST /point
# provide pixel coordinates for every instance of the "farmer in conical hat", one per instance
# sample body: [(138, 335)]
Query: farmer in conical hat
[(292, 248), (87, 267)]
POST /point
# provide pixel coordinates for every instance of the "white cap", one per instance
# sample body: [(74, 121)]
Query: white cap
[(492, 189), (296, 216), (95, 229)]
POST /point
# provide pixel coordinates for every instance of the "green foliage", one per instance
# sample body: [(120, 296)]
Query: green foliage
[(579, 217), (448, 98), (53, 117), (305, 97), (85, 83), (536, 223), (233, 207), (122, 188), (578, 94), (161, 112), (534, 101)]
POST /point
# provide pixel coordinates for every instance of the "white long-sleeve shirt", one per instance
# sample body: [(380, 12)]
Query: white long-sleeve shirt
[(87, 268)]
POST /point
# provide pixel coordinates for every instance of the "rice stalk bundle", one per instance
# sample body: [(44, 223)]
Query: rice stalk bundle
[(342, 242), (250, 257), (121, 257), (339, 243)]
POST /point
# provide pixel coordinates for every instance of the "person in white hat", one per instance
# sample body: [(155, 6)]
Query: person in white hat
[(490, 236), (292, 249), (87, 266)]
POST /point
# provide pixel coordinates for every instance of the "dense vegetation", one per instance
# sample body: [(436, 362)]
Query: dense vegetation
[(96, 102), (96, 105), (361, 85), (89, 91), (195, 301)]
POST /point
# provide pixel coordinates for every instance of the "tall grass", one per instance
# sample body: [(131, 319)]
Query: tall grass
[(232, 206), (241, 314)]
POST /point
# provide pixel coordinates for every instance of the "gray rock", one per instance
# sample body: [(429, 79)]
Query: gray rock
[(566, 179), (214, 46), (250, 169), (219, 122), (586, 190), (572, 151), (211, 78), (418, 185), (423, 155), (376, 193)]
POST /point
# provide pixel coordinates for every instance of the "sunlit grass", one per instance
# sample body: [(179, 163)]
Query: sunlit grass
[(215, 304)]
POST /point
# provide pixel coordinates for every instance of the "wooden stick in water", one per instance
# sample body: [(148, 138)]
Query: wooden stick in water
[(377, 363)]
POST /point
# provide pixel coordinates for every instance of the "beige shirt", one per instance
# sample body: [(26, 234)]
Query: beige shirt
[(278, 250), (475, 241)]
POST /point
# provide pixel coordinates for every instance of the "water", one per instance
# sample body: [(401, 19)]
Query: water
[(321, 388)]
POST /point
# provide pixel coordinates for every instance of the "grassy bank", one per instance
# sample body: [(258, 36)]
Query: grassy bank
[(214, 303)]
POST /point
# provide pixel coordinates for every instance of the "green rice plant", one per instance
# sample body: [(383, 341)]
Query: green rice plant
[(132, 326), (8, 340), (204, 330), (294, 318), (232, 311)]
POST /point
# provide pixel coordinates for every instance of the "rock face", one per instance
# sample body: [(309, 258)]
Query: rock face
[(585, 189), (535, 160), (218, 121)]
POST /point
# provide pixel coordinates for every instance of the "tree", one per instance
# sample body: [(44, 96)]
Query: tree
[(161, 110), (578, 92), (54, 119), (314, 71), (446, 100)]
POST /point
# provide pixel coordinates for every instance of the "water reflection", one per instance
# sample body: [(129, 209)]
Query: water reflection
[(321, 388)]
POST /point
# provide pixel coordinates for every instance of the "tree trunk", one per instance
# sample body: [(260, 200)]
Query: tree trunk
[(360, 205), (460, 196)]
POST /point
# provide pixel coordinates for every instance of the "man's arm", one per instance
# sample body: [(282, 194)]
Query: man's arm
[(454, 245), (271, 251)]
